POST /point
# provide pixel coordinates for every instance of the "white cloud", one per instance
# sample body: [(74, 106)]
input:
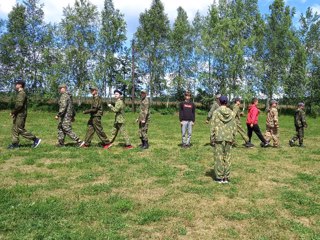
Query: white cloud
[(316, 8), (53, 9), (6, 6)]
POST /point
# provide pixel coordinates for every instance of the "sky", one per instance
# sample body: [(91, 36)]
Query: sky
[(133, 8)]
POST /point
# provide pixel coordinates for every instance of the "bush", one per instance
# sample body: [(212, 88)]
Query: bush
[(315, 111)]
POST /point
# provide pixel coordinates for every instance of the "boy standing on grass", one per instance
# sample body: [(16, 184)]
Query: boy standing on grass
[(223, 132), (215, 106), (19, 115), (143, 120), (238, 113), (187, 115), (66, 116), (94, 123), (300, 124), (272, 128), (119, 121), (252, 124)]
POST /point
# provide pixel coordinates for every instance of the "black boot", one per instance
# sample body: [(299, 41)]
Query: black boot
[(142, 143), (146, 144), (13, 146)]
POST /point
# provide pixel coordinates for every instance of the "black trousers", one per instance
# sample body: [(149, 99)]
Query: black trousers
[(257, 131)]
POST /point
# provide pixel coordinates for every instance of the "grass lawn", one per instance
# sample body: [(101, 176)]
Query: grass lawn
[(161, 193)]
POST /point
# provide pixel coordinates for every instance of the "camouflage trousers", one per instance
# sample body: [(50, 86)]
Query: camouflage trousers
[(272, 133), (95, 126), (299, 135), (222, 156), (211, 133), (242, 132), (143, 130), (120, 127), (64, 128), (18, 128)]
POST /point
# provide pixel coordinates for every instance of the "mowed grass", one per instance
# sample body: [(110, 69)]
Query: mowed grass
[(164, 192)]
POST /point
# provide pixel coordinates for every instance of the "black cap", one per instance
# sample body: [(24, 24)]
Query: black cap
[(237, 99), (223, 100), (117, 91), (22, 83)]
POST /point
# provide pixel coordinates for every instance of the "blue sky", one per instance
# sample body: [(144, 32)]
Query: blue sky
[(132, 8)]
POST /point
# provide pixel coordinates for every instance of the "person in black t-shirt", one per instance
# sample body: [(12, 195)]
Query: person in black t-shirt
[(187, 119)]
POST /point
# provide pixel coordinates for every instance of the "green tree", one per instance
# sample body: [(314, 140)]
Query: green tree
[(79, 29), (152, 46), (278, 43), (14, 47), (180, 52), (111, 39)]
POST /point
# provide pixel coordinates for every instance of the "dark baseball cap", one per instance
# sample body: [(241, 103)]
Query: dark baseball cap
[(93, 88), (117, 91), (237, 99), (223, 99)]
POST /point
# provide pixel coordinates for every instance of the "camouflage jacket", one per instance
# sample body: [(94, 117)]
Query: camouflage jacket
[(96, 109), (214, 107), (272, 117), (20, 108), (224, 125), (237, 112), (118, 109), (144, 110), (300, 118), (66, 106)]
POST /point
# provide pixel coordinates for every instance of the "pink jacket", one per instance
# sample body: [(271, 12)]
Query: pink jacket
[(253, 113)]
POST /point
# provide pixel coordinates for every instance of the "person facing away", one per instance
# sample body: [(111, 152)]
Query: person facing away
[(144, 119), (214, 106), (300, 124), (252, 124), (119, 120), (223, 133), (66, 116), (238, 113), (187, 117), (19, 115), (272, 124), (94, 123)]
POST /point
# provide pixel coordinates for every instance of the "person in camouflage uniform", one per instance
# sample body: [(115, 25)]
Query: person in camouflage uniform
[(119, 121), (223, 133), (66, 116), (143, 120), (272, 128), (300, 124), (19, 115), (215, 106), (238, 113), (94, 123)]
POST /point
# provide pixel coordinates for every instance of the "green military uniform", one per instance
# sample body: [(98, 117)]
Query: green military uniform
[(144, 116), (94, 123), (300, 123), (223, 133), (272, 128), (240, 130), (119, 122), (214, 107), (66, 115), (19, 114)]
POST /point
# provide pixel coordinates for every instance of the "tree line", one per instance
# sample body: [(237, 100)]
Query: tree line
[(233, 49)]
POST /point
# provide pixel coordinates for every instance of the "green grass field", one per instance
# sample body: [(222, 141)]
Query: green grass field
[(164, 192)]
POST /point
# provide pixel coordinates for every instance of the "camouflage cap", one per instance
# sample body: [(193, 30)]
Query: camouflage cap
[(117, 91), (273, 102), (144, 91), (63, 85), (22, 83), (223, 99), (93, 88), (300, 104)]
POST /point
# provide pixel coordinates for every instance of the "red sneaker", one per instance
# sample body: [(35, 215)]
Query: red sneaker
[(107, 146), (128, 147)]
